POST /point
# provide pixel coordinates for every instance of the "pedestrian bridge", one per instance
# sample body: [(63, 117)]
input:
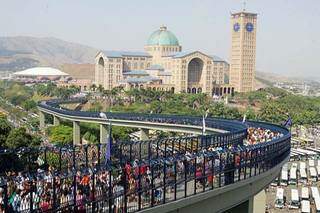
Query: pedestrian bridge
[(212, 172)]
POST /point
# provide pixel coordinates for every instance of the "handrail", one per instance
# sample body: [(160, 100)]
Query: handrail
[(148, 173)]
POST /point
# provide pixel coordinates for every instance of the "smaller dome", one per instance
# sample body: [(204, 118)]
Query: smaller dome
[(40, 71), (163, 37)]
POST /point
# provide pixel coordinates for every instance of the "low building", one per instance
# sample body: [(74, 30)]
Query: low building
[(41, 74)]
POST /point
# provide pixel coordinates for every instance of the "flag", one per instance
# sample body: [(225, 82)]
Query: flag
[(109, 144), (288, 123), (244, 118), (204, 122)]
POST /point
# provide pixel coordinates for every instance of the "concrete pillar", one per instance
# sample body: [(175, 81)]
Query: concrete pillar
[(56, 120), (144, 134), (250, 205), (76, 132), (259, 202), (103, 133), (42, 120)]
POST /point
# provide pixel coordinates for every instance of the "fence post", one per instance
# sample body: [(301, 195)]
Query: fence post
[(152, 185), (125, 189), (139, 188), (93, 191), (175, 180), (5, 192), (204, 178), (60, 150), (110, 191), (86, 154), (186, 166), (99, 156), (195, 176), (212, 172), (164, 180), (54, 195)]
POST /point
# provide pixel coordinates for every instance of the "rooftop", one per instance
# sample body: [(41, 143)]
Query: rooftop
[(155, 67), (136, 72), (163, 37), (41, 71), (120, 54)]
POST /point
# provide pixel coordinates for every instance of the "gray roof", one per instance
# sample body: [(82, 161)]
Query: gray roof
[(216, 58), (119, 54), (183, 54), (136, 72), (142, 79), (155, 67)]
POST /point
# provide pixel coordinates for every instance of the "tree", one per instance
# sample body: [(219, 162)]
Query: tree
[(91, 138), (29, 104), (100, 88), (95, 107), (17, 93), (93, 87), (61, 135), (5, 129), (19, 138)]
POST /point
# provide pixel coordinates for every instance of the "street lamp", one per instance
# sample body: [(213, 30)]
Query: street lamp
[(109, 139), (103, 115)]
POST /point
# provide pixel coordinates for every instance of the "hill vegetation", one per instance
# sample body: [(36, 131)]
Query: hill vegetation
[(17, 53)]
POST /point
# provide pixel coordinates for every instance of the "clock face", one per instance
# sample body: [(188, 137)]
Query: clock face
[(249, 27), (236, 27)]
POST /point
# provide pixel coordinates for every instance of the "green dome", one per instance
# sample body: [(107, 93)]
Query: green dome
[(163, 37)]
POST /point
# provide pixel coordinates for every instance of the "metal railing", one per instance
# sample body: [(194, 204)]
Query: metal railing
[(140, 175)]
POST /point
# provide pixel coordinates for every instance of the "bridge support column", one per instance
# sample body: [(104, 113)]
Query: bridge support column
[(42, 120), (103, 133), (144, 134), (76, 132), (259, 202), (56, 120), (250, 205)]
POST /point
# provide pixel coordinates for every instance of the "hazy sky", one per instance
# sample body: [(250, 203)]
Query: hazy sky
[(288, 39)]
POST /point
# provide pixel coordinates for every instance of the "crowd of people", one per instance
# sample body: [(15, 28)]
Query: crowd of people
[(134, 185), (259, 135)]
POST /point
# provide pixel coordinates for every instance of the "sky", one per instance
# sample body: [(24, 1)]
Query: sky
[(288, 32)]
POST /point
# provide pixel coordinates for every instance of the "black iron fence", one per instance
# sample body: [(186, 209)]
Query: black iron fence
[(140, 175), (83, 180)]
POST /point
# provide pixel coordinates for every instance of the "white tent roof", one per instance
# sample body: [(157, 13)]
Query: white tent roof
[(41, 71)]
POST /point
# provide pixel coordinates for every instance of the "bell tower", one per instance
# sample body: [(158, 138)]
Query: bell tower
[(243, 51)]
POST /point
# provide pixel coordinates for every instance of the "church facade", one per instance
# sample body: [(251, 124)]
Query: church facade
[(164, 66)]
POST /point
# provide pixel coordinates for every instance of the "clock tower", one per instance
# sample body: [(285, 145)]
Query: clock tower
[(243, 51)]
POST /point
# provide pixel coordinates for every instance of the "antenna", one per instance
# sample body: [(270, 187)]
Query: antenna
[(244, 5)]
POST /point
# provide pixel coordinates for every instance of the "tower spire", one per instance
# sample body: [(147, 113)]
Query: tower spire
[(244, 5)]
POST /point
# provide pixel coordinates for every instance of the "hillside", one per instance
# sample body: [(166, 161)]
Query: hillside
[(21, 52), (18, 53)]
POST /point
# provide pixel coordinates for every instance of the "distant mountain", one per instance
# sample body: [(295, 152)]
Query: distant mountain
[(17, 53)]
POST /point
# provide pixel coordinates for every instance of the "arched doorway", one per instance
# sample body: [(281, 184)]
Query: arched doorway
[(99, 75), (194, 90), (195, 71), (188, 90)]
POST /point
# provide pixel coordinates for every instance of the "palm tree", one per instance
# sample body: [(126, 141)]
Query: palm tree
[(100, 88), (93, 87)]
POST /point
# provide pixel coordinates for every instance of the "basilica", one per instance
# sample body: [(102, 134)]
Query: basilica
[(164, 66)]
